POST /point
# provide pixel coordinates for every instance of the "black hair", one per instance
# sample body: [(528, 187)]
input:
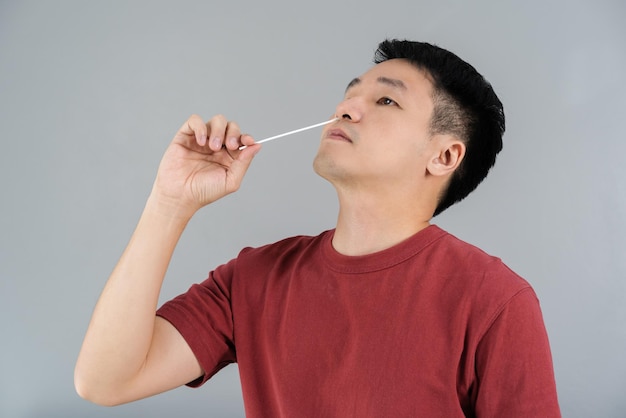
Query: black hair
[(465, 105)]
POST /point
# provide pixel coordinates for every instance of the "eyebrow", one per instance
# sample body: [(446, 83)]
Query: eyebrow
[(392, 82)]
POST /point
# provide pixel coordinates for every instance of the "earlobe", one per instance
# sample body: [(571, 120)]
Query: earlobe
[(448, 158)]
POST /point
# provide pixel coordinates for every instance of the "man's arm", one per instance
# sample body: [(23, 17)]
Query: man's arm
[(128, 353), (514, 364)]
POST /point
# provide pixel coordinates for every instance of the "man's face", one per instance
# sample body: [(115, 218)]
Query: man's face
[(383, 133)]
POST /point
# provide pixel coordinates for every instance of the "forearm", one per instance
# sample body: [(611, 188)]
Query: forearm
[(121, 329), (124, 357)]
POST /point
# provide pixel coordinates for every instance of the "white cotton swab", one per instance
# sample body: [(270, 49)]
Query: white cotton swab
[(292, 132)]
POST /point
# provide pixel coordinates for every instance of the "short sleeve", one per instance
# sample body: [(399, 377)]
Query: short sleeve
[(203, 316), (515, 376)]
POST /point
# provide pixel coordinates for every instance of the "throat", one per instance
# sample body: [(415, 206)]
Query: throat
[(354, 236), (374, 217)]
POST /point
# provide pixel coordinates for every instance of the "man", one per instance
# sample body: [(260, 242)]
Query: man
[(386, 315)]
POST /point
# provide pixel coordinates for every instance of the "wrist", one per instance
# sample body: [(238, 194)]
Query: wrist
[(169, 209)]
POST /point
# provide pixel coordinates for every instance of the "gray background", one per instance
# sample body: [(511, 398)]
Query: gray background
[(92, 92)]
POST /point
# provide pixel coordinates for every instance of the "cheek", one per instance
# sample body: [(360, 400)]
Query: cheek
[(397, 139), (397, 153), (389, 163)]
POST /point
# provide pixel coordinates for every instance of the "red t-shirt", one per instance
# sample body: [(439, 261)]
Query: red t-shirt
[(432, 327)]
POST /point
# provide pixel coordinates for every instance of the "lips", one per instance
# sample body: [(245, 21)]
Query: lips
[(338, 134)]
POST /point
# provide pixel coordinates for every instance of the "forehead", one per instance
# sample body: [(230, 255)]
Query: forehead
[(399, 74)]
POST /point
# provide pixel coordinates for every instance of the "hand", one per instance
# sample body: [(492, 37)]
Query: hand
[(202, 164)]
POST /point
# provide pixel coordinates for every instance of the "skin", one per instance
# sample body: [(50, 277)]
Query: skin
[(390, 172), (128, 353), (385, 165)]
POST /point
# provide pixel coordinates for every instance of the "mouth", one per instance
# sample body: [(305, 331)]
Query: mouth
[(338, 134)]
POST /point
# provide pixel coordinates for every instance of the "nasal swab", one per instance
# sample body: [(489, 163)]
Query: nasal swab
[(292, 132)]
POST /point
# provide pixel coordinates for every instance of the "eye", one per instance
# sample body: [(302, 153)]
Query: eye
[(386, 101)]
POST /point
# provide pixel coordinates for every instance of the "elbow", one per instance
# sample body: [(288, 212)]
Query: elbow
[(94, 392)]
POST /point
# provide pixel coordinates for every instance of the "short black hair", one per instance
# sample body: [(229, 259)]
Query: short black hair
[(465, 105)]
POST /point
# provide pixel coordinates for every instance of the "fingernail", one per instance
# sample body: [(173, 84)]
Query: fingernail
[(216, 143)]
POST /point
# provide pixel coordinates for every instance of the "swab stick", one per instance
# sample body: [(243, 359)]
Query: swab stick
[(292, 132)]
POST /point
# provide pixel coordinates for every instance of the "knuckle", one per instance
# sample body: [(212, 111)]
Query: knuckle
[(195, 118), (219, 118), (233, 128)]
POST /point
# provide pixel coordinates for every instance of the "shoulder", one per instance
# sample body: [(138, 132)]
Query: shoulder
[(471, 260), (285, 250), (484, 281), (462, 250)]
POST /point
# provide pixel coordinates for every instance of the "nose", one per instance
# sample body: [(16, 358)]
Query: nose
[(349, 110)]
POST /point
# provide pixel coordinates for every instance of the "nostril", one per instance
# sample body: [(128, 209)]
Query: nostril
[(346, 116)]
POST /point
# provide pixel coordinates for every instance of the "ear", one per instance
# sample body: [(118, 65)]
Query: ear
[(449, 152)]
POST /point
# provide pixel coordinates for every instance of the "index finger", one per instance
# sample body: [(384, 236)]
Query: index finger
[(195, 126)]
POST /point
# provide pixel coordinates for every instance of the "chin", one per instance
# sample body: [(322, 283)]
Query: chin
[(326, 167)]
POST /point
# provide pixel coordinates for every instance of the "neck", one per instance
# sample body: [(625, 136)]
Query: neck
[(368, 223)]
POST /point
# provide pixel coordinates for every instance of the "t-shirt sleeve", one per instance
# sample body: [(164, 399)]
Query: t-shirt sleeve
[(203, 316), (514, 364)]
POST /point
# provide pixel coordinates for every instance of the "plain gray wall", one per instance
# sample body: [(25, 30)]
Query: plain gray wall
[(92, 92)]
